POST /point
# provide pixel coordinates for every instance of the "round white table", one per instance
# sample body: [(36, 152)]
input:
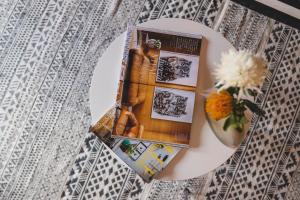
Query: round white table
[(206, 152)]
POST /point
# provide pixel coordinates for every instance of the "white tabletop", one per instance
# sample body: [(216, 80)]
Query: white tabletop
[(206, 152)]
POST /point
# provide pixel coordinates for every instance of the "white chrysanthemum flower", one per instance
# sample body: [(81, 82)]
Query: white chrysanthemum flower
[(240, 69)]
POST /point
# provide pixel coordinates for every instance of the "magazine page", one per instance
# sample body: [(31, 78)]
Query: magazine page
[(157, 85), (146, 158)]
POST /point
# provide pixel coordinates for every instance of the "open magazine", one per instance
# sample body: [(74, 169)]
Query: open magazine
[(146, 158), (156, 93)]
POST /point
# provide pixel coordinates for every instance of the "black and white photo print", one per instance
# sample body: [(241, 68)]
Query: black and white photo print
[(177, 68), (173, 104)]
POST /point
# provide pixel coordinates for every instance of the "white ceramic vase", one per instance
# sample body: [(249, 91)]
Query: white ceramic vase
[(231, 137)]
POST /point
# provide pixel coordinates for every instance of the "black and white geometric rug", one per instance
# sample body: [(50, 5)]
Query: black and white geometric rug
[(48, 50)]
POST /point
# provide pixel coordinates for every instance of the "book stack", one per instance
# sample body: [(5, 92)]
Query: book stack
[(153, 116)]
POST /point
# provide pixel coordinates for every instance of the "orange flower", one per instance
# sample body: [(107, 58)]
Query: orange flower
[(219, 105)]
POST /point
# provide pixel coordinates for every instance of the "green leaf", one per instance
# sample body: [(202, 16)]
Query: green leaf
[(233, 90), (243, 119), (251, 92), (218, 86), (227, 123), (230, 121), (240, 129), (235, 121), (253, 107)]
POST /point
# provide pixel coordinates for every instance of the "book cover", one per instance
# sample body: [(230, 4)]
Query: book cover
[(146, 158), (156, 94)]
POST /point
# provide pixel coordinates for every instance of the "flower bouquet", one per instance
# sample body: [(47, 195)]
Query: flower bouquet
[(238, 76)]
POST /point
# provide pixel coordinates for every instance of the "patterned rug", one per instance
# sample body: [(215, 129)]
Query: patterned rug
[(48, 50)]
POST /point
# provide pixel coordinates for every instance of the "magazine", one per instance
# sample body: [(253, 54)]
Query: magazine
[(156, 93), (146, 158)]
